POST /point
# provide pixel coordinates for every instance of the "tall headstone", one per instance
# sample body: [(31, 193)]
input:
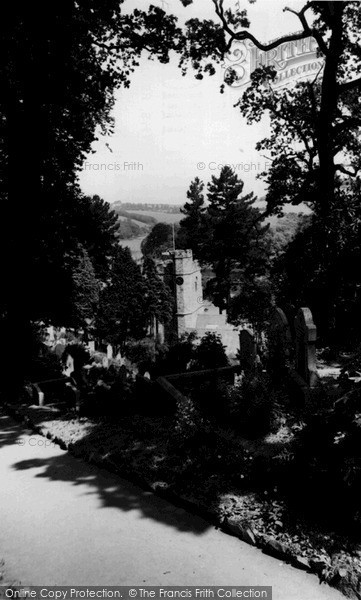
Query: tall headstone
[(91, 345), (306, 335), (279, 343), (109, 351), (247, 349)]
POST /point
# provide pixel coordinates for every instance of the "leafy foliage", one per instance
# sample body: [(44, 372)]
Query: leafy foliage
[(160, 303), (226, 234), (193, 228), (122, 312), (209, 353), (159, 240)]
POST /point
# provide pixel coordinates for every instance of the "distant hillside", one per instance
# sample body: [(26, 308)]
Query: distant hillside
[(120, 210), (147, 206), (159, 216)]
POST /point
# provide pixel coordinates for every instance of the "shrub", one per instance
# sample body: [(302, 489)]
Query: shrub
[(46, 366), (109, 392), (188, 421), (178, 357), (210, 353), (141, 353), (79, 353)]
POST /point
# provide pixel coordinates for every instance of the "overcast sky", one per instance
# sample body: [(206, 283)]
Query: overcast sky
[(166, 124)]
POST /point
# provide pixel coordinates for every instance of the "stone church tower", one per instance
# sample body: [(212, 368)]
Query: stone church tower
[(188, 290), (183, 275)]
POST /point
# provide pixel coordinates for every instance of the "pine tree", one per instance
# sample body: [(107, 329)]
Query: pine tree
[(85, 291), (236, 244), (160, 301), (193, 228), (123, 312)]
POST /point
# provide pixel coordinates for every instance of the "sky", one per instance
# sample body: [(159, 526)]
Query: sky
[(170, 129)]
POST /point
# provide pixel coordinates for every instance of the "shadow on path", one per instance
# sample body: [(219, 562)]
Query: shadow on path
[(111, 489)]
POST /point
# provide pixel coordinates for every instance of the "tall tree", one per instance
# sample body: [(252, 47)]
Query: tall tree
[(193, 228), (96, 225), (60, 63), (160, 302), (332, 96), (123, 309), (159, 240), (85, 297), (236, 241)]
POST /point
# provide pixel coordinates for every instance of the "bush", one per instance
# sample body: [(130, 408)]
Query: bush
[(328, 462), (210, 353), (79, 353), (109, 392), (178, 357), (142, 353), (46, 366)]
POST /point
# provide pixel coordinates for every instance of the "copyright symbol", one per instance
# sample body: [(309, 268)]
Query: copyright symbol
[(200, 300), (133, 593), (201, 166), (20, 442)]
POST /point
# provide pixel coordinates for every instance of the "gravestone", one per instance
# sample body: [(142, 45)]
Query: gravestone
[(279, 343), (69, 366), (51, 333), (247, 349), (39, 394), (306, 335), (109, 351), (91, 345)]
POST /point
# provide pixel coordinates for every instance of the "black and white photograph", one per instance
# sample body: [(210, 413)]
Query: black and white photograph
[(180, 304)]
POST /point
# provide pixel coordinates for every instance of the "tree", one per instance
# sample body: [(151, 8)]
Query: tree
[(314, 145), (331, 97), (59, 66), (235, 241), (159, 240), (123, 309), (193, 228), (160, 302), (330, 285), (96, 226), (209, 353), (85, 298)]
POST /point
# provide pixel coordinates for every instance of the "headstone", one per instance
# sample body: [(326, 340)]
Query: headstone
[(109, 351), (59, 348), (39, 394), (91, 345), (105, 362), (69, 366), (306, 335), (51, 333), (247, 349), (279, 343)]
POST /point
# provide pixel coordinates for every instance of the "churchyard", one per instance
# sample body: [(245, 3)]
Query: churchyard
[(264, 448)]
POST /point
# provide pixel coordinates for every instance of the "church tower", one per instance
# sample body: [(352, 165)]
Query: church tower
[(188, 290)]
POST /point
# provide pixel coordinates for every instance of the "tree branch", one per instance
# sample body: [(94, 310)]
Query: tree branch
[(343, 169), (246, 35), (349, 85)]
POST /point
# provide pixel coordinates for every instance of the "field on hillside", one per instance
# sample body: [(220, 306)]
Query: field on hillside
[(140, 223), (162, 217)]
